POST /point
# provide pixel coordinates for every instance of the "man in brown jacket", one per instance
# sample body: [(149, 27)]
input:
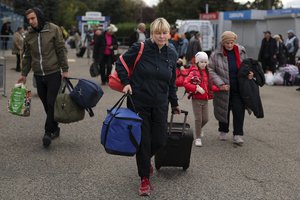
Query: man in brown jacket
[(18, 44), (45, 54)]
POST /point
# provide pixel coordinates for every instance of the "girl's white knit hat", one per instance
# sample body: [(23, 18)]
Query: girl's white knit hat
[(201, 56)]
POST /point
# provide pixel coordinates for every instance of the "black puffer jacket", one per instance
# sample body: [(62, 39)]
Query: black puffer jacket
[(153, 79), (249, 89)]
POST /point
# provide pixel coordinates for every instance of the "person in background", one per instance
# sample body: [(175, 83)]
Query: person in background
[(194, 47), (45, 54), (103, 52), (174, 38), (152, 86), (183, 45), (77, 40), (281, 53), (5, 32), (88, 42), (223, 67), (292, 45), (267, 53), (18, 46), (64, 32), (139, 35), (201, 89)]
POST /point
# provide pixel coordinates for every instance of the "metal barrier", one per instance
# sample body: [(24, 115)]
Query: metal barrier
[(9, 42), (3, 75)]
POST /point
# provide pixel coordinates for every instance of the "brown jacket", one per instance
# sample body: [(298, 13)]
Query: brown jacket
[(219, 73), (18, 43), (45, 51)]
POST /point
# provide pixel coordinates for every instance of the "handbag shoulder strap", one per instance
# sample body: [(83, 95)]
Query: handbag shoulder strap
[(136, 59)]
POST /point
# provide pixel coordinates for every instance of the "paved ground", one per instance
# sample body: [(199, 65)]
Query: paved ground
[(77, 167)]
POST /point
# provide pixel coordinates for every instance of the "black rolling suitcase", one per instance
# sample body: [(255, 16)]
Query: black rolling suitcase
[(81, 52), (177, 151)]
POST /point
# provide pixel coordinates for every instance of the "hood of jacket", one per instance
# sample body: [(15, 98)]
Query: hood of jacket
[(40, 18)]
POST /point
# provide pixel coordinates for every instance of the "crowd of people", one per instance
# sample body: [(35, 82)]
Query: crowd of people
[(152, 85), (275, 52)]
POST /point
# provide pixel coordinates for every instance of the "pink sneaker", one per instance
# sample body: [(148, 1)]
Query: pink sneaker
[(145, 187)]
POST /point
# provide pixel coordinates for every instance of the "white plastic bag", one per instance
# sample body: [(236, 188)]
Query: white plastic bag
[(269, 78), (278, 78)]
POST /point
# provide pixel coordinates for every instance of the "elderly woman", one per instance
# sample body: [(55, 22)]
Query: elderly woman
[(152, 86), (224, 65), (103, 52)]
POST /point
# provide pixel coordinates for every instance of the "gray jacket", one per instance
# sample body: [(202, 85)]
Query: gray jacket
[(219, 73)]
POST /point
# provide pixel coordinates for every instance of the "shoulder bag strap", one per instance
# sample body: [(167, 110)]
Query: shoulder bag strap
[(136, 60)]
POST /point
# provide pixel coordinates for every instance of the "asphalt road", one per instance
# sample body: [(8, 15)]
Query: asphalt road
[(76, 166)]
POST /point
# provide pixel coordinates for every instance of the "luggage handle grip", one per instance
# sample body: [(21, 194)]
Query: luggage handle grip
[(184, 121)]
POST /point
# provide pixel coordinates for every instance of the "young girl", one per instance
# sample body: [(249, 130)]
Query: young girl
[(200, 88)]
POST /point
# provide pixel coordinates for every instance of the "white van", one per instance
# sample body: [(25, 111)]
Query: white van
[(204, 27)]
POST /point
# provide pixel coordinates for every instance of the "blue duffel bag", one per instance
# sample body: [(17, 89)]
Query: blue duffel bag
[(121, 130), (86, 94)]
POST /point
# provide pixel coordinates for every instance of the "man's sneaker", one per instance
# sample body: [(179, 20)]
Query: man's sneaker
[(46, 140), (198, 142), (151, 170), (55, 134), (145, 187), (222, 136), (237, 139), (202, 134)]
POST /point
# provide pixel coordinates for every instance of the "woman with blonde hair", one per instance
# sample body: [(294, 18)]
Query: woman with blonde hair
[(152, 87)]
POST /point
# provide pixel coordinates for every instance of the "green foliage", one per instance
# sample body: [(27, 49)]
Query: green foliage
[(125, 29), (67, 12), (64, 12), (266, 4), (190, 9)]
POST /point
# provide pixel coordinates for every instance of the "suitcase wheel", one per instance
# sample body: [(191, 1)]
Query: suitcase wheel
[(157, 167), (185, 167)]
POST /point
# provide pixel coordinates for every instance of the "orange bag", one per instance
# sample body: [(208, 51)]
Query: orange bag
[(113, 79)]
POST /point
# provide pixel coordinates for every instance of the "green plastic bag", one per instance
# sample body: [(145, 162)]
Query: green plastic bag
[(20, 100)]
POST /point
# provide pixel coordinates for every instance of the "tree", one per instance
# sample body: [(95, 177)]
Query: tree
[(67, 12), (190, 9), (265, 4)]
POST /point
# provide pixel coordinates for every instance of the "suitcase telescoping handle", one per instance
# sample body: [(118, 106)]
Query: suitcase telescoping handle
[(184, 121)]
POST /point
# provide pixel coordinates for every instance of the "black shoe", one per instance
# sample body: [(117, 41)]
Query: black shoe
[(46, 140), (298, 89), (55, 134)]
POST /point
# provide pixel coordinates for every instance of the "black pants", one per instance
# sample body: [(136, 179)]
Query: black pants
[(105, 68), (47, 88), (237, 107), (18, 66), (154, 135), (291, 58), (269, 64)]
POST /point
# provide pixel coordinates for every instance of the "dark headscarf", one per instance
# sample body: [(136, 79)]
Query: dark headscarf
[(40, 18)]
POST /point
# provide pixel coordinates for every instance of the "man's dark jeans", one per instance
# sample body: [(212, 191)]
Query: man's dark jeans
[(47, 88)]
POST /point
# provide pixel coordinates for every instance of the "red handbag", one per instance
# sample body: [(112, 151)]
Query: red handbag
[(114, 81)]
